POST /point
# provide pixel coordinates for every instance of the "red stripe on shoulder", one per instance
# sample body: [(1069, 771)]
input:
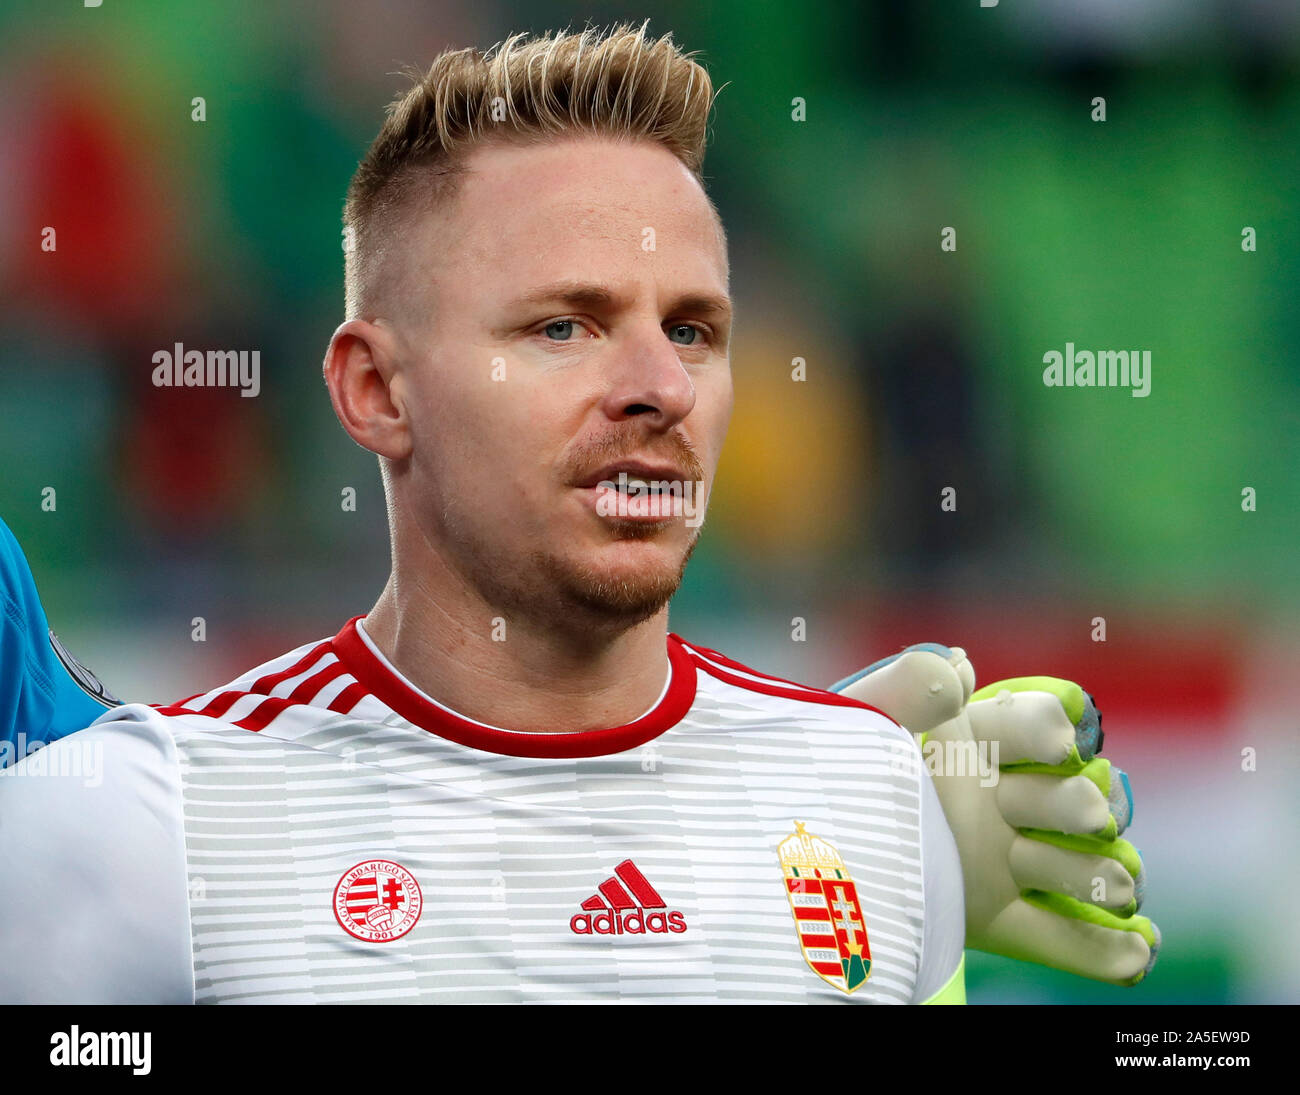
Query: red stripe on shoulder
[(265, 684), (177, 709), (261, 715), (708, 660), (731, 663), (269, 709), (348, 698), (309, 687), (220, 704)]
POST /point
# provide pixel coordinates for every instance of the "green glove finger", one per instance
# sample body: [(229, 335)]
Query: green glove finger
[(1094, 879), (1078, 706), (1064, 804), (1036, 928), (1028, 798), (1029, 727), (1090, 914), (1119, 850)]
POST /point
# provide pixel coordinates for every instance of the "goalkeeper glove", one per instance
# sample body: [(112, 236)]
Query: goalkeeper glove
[(1047, 877)]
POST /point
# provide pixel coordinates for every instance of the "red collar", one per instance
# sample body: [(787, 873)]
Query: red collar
[(379, 681)]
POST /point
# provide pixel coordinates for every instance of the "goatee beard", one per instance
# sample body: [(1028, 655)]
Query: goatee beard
[(613, 602)]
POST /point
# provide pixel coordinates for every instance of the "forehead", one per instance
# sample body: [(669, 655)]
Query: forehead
[(579, 206)]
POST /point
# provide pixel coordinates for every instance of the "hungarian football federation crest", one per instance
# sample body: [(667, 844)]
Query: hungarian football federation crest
[(377, 901), (827, 912)]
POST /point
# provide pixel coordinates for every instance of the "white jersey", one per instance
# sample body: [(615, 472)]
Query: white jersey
[(320, 830)]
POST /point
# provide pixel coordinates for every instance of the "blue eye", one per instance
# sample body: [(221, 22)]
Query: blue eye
[(567, 324), (688, 328)]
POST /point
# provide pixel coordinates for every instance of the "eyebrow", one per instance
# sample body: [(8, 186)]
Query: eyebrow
[(580, 294)]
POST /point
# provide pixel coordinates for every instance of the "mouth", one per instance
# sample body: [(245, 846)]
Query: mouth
[(634, 471), (635, 491)]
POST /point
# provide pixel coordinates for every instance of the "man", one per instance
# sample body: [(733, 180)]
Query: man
[(507, 781)]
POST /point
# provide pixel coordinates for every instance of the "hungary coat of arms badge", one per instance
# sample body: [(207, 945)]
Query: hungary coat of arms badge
[(826, 909)]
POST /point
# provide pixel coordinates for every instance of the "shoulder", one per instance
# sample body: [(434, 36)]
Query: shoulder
[(119, 775), (124, 745), (92, 867), (309, 675), (763, 690)]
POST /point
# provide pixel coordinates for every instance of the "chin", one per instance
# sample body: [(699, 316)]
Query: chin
[(628, 582)]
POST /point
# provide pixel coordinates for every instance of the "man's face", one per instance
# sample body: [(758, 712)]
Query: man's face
[(566, 323)]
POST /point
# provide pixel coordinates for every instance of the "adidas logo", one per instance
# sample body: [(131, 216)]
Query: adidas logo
[(622, 907)]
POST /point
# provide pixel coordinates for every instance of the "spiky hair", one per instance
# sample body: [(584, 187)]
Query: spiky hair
[(620, 84)]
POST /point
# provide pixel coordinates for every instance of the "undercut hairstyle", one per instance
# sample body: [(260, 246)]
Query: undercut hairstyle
[(619, 84)]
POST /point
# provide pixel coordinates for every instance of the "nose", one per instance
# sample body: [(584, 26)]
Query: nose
[(648, 381)]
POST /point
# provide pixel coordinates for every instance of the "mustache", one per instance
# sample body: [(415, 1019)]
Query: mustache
[(628, 441)]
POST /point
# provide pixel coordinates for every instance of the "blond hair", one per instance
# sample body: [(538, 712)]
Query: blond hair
[(620, 84)]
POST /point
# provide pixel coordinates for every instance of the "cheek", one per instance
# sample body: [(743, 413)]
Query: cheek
[(489, 440), (454, 436), (713, 403)]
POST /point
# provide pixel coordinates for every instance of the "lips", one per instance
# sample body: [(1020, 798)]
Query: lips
[(634, 470)]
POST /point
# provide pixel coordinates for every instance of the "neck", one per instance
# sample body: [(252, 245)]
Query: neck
[(515, 673)]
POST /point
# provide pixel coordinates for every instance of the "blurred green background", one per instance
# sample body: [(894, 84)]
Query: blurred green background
[(924, 370)]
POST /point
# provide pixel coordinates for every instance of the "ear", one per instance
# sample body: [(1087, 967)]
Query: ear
[(366, 388)]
